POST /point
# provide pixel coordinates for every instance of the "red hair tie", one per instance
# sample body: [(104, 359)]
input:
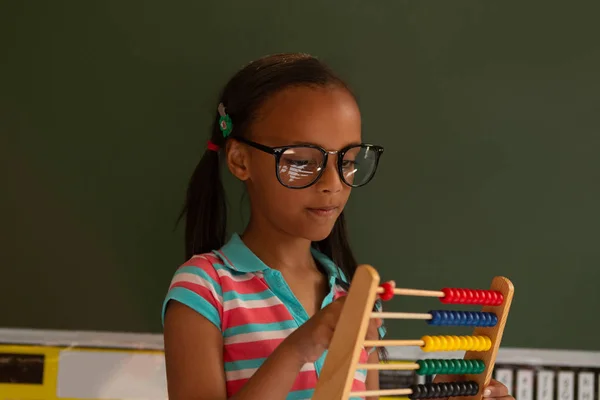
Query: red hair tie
[(211, 146)]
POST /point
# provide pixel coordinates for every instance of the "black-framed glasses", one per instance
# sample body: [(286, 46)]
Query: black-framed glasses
[(300, 166)]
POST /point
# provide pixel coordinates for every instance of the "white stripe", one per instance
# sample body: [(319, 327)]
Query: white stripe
[(198, 280), (236, 278), (360, 376), (247, 373), (236, 303), (258, 336)]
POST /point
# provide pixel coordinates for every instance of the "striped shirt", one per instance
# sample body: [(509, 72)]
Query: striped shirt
[(255, 310)]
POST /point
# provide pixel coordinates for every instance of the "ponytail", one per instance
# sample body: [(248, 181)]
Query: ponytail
[(205, 208)]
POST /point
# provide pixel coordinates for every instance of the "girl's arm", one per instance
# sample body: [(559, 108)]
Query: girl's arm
[(372, 381), (194, 362)]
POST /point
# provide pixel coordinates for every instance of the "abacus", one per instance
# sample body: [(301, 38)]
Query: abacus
[(335, 381)]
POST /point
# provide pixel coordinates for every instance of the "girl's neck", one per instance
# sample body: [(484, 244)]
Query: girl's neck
[(278, 249)]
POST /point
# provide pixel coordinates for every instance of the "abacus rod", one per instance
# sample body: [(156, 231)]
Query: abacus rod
[(414, 292), (400, 315), (384, 392), (383, 343), (389, 367)]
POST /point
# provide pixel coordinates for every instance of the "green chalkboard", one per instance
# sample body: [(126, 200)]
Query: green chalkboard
[(488, 111)]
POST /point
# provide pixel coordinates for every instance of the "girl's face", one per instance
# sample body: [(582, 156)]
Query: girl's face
[(328, 117)]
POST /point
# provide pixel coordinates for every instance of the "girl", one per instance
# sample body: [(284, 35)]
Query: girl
[(252, 318)]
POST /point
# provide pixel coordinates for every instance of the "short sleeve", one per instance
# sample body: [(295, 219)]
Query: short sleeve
[(196, 284)]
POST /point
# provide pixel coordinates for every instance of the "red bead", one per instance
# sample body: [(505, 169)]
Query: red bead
[(388, 291), (470, 296), (462, 296), (499, 298), (448, 296)]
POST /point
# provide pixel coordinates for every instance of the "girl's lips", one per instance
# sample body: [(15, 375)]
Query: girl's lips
[(323, 211)]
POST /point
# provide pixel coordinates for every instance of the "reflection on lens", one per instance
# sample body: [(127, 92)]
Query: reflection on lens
[(358, 165), (300, 166)]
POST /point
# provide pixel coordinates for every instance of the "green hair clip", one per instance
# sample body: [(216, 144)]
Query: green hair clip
[(225, 121)]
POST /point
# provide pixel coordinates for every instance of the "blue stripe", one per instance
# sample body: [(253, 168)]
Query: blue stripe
[(244, 364), (249, 328), (300, 394), (232, 294), (195, 302), (202, 274)]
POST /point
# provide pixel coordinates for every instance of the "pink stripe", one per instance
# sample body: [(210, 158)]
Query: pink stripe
[(364, 357), (203, 292), (253, 285), (250, 350), (358, 386), (235, 386), (204, 265), (264, 315), (305, 380)]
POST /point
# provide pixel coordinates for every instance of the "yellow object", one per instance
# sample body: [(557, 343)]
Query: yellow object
[(456, 343)]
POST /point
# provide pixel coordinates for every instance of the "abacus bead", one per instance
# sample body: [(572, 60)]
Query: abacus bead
[(473, 389), (435, 318), (494, 320), (500, 299), (415, 392), (443, 317), (442, 366), (428, 343), (445, 342), (436, 366), (458, 341), (453, 389), (422, 369), (480, 366), (388, 291), (448, 295), (463, 367), (471, 367), (476, 296), (454, 318), (461, 296)]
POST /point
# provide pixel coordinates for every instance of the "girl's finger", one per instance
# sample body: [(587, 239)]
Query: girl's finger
[(495, 390)]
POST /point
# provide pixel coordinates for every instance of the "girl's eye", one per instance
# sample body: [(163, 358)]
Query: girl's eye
[(349, 164), (299, 163)]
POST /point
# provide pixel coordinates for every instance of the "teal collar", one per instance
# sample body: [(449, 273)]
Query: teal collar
[(238, 257)]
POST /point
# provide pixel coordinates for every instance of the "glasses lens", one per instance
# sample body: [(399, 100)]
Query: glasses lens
[(300, 166), (359, 165)]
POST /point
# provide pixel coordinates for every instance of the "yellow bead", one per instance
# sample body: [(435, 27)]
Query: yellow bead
[(488, 343), (482, 343), (428, 343), (457, 343), (469, 343), (445, 342)]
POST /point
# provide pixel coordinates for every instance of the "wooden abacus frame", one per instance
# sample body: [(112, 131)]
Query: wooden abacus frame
[(335, 381)]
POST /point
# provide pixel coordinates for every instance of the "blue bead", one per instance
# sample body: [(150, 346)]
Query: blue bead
[(494, 319)]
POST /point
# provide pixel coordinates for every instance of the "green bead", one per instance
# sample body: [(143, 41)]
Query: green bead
[(464, 366), (467, 366), (436, 367), (481, 366), (452, 367), (446, 367), (422, 367)]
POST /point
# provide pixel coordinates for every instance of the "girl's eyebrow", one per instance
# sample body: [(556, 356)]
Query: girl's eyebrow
[(300, 143)]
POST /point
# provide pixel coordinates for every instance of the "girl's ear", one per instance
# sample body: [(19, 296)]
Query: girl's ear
[(238, 159)]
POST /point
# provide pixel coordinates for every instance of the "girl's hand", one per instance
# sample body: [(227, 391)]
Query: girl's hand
[(311, 339), (494, 390)]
